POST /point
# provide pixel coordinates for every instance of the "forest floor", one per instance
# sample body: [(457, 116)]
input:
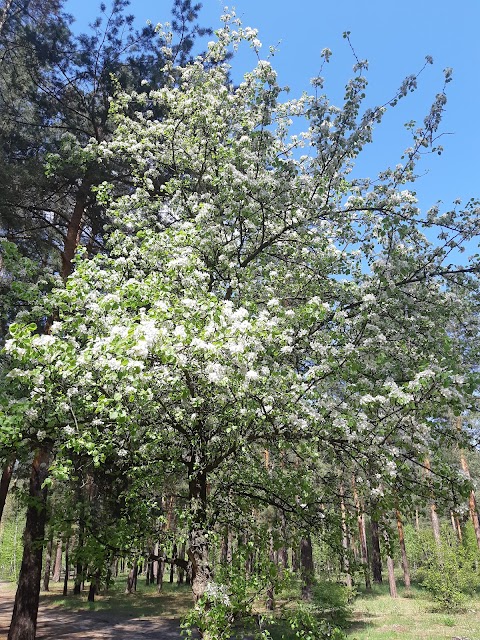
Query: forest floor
[(379, 617), (147, 615), (141, 616)]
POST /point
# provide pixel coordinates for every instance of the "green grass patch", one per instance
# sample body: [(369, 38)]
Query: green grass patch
[(377, 616), (173, 602)]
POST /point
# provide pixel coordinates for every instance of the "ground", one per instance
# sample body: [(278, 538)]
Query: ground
[(111, 618), (148, 615), (379, 617)]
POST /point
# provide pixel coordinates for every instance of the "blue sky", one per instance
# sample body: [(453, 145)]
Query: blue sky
[(395, 37)]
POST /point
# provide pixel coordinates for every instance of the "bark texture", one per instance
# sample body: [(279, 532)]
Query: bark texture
[(25, 611)]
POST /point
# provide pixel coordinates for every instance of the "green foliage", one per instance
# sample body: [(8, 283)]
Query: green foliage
[(303, 622), (11, 543), (449, 572)]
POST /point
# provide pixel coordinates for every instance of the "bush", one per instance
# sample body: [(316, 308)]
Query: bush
[(449, 572)]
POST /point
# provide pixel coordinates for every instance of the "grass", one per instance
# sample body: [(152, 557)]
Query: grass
[(173, 602), (380, 617), (375, 616)]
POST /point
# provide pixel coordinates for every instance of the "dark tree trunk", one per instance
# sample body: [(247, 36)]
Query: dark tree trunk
[(132, 578), (181, 570), (376, 555), (74, 229), (362, 534), (198, 540), (5, 483), (306, 567), (67, 569), (57, 568), (25, 610), (48, 564), (172, 563)]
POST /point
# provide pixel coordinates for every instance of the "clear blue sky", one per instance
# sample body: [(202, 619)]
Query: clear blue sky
[(395, 37)]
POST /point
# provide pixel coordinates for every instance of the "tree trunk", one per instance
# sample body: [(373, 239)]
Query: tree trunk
[(67, 568), (5, 483), (433, 508), (181, 570), (172, 562), (25, 610), (161, 569), (155, 562), (376, 555), (283, 552), (345, 539), (362, 535), (403, 550), (472, 503), (198, 540), (307, 568), (48, 564), (132, 578), (74, 229), (391, 578), (57, 568)]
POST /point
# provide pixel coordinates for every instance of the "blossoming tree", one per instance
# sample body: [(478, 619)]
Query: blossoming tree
[(252, 293)]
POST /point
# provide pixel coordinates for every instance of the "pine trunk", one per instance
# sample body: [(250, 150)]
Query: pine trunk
[(307, 568), (25, 610), (391, 578), (362, 535), (376, 555), (67, 569), (345, 539), (57, 568), (472, 503), (403, 550), (48, 564)]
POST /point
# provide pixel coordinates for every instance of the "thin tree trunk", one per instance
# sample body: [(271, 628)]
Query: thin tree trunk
[(433, 508), (172, 563), (307, 568), (48, 564), (391, 578), (67, 568), (25, 610), (345, 539), (5, 483), (283, 551), (270, 601), (181, 570), (132, 578), (376, 555), (362, 534), (57, 568), (161, 569), (403, 550), (472, 503)]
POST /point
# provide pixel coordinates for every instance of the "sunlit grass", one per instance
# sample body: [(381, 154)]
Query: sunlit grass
[(380, 617)]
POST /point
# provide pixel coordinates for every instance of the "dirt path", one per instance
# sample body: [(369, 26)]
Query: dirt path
[(55, 623)]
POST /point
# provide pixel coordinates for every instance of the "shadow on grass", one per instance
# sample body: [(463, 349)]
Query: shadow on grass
[(172, 602)]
